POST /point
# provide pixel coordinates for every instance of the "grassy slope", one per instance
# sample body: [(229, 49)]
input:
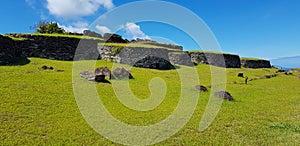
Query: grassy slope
[(38, 107), (296, 69)]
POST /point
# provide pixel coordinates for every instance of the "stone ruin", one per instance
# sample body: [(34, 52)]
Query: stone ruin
[(248, 63), (64, 48), (216, 59)]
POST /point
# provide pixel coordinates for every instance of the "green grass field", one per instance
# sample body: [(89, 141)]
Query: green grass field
[(38, 107)]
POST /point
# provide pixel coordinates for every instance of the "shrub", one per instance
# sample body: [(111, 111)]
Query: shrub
[(49, 27)]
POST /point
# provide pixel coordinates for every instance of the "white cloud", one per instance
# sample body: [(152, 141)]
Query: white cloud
[(103, 29), (78, 27), (72, 9), (31, 3), (35, 5), (133, 31)]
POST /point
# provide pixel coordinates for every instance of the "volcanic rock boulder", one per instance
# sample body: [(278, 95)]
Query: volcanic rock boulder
[(223, 95), (88, 75), (201, 88), (44, 67), (121, 73), (103, 71), (241, 75), (154, 62), (98, 75)]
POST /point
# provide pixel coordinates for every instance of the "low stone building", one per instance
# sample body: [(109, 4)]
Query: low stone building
[(216, 59), (255, 63), (57, 48)]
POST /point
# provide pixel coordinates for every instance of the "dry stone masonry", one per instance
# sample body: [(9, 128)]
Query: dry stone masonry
[(216, 59), (56, 48), (8, 51), (255, 63), (131, 56), (63, 48), (181, 58)]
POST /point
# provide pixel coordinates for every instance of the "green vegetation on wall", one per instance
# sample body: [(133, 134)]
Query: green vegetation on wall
[(49, 27)]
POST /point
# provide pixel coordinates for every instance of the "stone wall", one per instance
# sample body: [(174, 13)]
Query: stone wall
[(216, 59), (63, 48), (256, 63), (8, 52), (180, 58), (106, 52), (56, 48), (169, 46), (132, 55)]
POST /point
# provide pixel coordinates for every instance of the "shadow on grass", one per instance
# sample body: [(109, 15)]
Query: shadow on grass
[(105, 81), (18, 62)]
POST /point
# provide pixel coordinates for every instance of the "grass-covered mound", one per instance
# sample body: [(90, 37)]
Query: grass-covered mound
[(296, 69), (38, 107)]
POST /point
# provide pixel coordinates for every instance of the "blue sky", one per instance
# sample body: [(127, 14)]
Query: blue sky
[(251, 28)]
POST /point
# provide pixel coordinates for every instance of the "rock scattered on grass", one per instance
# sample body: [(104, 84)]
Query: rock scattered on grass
[(223, 95), (241, 75), (44, 67), (88, 75), (47, 67), (103, 71), (201, 88), (121, 73)]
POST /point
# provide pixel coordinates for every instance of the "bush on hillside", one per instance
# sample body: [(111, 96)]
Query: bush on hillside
[(49, 27)]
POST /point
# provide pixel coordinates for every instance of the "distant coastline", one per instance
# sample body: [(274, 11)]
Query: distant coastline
[(286, 63)]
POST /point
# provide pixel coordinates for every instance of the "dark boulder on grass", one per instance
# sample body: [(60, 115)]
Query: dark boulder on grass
[(223, 95), (90, 76), (44, 67), (121, 73), (98, 75), (241, 75), (201, 88), (154, 62)]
